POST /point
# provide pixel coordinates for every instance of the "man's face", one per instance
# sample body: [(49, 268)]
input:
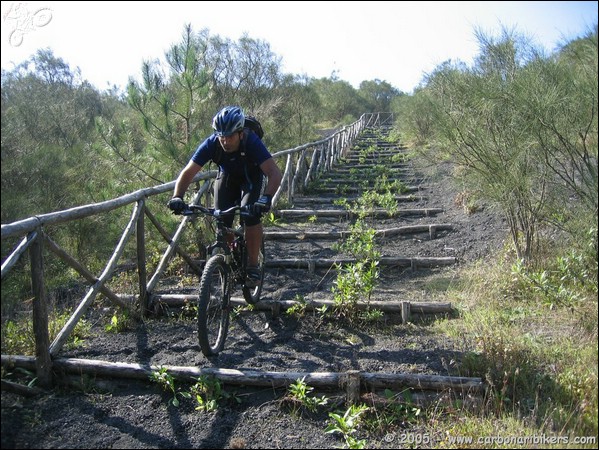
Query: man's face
[(230, 143)]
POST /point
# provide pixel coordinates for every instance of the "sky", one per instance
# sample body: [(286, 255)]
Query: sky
[(396, 42)]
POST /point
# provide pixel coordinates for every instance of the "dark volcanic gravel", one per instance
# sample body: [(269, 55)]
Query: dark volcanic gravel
[(133, 413)]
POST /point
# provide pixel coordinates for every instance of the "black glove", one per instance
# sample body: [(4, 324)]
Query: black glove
[(177, 205), (262, 205)]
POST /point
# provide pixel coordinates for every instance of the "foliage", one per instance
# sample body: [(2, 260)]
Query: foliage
[(360, 242), (377, 95), (299, 396), (18, 337), (540, 362), (347, 425), (210, 393), (356, 281), (299, 308), (397, 411), (523, 128), (167, 382), (417, 113), (119, 322), (46, 142)]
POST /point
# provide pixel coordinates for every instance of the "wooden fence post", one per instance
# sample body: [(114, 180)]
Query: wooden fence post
[(141, 260), (405, 311), (43, 361), (352, 387)]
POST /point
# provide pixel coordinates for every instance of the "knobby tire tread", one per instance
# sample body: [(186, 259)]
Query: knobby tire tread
[(215, 270)]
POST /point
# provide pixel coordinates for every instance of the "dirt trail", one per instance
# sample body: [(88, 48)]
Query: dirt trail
[(126, 413)]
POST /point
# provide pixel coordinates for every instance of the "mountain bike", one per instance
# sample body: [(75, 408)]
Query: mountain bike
[(224, 271)]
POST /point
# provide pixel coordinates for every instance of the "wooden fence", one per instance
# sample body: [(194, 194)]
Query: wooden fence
[(303, 164)]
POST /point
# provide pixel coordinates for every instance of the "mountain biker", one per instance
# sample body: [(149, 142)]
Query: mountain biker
[(244, 163)]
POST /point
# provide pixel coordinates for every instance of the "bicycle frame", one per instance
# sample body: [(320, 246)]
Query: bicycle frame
[(224, 269), (234, 247)]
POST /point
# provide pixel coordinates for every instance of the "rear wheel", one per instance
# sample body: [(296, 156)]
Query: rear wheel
[(252, 294), (213, 306)]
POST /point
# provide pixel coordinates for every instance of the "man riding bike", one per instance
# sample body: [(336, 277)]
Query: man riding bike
[(244, 165)]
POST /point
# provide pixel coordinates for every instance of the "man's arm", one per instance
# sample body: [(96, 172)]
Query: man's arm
[(185, 177), (274, 175)]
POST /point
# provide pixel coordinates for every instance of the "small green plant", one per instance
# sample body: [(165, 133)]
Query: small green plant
[(354, 282), (167, 383), (341, 202), (299, 308), (341, 189), (382, 197), (190, 309), (209, 393), (238, 310), (363, 155), (299, 397), (372, 315), (361, 242), (399, 158), (25, 376), (322, 311), (347, 424), (270, 219), (120, 321), (467, 200)]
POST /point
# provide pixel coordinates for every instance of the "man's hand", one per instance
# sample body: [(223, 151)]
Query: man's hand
[(262, 205), (177, 205)]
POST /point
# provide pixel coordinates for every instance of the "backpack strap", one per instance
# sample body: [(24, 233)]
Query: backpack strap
[(218, 155)]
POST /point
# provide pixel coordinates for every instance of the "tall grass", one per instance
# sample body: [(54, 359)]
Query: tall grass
[(539, 357)]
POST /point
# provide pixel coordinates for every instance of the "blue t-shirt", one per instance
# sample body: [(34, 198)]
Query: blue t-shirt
[(232, 163)]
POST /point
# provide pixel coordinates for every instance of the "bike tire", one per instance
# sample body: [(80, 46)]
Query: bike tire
[(213, 306), (252, 295)]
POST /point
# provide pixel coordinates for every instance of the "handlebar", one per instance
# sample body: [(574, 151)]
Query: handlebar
[(192, 209)]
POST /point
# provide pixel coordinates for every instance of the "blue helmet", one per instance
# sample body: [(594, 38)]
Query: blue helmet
[(228, 120)]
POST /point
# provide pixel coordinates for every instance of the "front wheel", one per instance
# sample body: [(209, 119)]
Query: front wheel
[(252, 294), (213, 306)]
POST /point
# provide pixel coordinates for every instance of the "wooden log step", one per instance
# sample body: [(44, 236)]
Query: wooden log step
[(345, 189), (407, 190), (21, 389), (369, 161), (345, 214), (330, 380), (359, 169), (414, 263), (370, 181), (349, 198), (332, 263), (366, 168), (368, 141), (342, 234), (394, 307)]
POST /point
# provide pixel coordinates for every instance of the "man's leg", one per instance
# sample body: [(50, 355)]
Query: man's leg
[(253, 238)]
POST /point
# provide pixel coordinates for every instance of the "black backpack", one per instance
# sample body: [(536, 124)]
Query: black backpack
[(254, 124)]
